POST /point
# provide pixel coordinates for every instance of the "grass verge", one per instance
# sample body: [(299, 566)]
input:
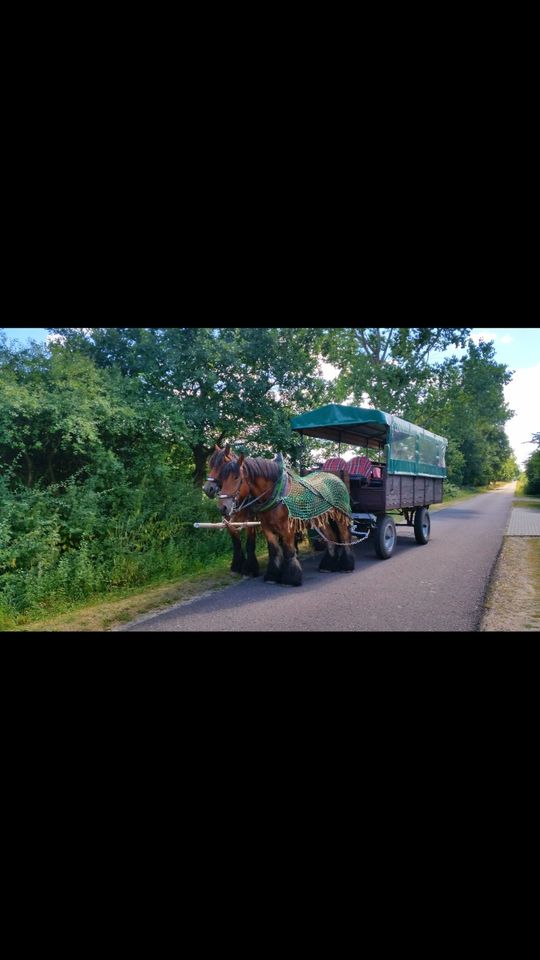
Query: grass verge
[(114, 609)]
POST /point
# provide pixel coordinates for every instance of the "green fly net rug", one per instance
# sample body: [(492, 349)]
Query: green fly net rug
[(319, 496)]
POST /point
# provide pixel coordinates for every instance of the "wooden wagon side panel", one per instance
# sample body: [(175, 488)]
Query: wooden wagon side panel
[(399, 491), (403, 491), (367, 499), (437, 491)]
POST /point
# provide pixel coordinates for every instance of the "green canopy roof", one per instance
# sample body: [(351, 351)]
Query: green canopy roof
[(346, 424), (411, 449)]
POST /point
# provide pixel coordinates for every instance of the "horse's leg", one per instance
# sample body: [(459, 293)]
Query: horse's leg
[(346, 555), (251, 564), (238, 560), (275, 555), (292, 571), (339, 555), (330, 557)]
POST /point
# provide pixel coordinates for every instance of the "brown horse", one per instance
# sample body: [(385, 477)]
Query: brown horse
[(259, 485), (247, 565)]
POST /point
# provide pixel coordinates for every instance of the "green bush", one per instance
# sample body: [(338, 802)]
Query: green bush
[(69, 543), (532, 469), (451, 490)]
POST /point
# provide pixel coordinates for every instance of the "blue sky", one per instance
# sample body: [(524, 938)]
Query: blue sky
[(519, 347)]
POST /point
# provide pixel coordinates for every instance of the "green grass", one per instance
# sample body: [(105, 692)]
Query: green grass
[(125, 604)]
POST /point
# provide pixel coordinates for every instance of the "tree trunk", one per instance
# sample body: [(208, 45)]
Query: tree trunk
[(200, 456), (30, 473)]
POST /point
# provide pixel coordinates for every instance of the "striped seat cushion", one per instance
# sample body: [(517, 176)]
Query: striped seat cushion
[(334, 463), (360, 467)]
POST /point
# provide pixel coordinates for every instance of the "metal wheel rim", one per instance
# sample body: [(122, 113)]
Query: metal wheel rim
[(389, 537), (425, 526)]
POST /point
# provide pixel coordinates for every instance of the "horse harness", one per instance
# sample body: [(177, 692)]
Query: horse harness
[(276, 496), (279, 495)]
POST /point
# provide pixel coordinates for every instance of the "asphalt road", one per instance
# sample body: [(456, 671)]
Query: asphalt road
[(436, 587)]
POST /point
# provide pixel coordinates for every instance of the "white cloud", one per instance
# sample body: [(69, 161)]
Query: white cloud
[(523, 396), (54, 338), (483, 336), (504, 338)]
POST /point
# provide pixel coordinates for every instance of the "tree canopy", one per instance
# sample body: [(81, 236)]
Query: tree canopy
[(222, 382), (390, 366)]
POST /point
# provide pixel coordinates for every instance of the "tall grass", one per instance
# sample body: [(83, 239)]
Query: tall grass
[(521, 485), (61, 546)]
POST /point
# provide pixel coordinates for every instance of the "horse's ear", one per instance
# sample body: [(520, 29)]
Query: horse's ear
[(216, 448), (227, 447), (240, 459)]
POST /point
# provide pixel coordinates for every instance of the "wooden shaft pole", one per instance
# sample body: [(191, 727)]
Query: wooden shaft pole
[(221, 526)]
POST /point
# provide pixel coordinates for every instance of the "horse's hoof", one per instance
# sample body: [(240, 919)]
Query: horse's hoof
[(272, 578), (292, 575)]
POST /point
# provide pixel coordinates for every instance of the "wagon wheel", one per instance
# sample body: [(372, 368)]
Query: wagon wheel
[(384, 537), (422, 525)]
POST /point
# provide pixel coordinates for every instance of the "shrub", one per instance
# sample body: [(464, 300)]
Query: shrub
[(66, 544)]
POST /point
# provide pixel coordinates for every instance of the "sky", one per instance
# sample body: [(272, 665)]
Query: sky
[(518, 347)]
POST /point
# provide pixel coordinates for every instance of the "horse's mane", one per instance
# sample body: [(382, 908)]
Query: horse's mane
[(217, 459), (254, 467)]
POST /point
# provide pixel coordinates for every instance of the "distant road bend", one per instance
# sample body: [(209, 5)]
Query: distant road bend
[(436, 587)]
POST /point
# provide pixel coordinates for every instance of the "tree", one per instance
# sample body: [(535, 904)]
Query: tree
[(390, 365), (227, 383), (464, 401), (532, 467), (60, 413)]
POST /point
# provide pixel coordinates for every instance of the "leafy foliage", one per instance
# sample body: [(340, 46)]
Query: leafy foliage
[(390, 366), (461, 399), (222, 383), (464, 401), (532, 468)]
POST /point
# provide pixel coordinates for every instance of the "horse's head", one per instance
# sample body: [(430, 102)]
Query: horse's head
[(215, 465), (234, 486)]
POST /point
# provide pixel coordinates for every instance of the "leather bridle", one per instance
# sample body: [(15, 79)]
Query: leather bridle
[(234, 494), (248, 504)]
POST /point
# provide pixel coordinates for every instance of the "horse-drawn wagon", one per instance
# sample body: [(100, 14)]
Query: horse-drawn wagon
[(403, 475), (338, 501)]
